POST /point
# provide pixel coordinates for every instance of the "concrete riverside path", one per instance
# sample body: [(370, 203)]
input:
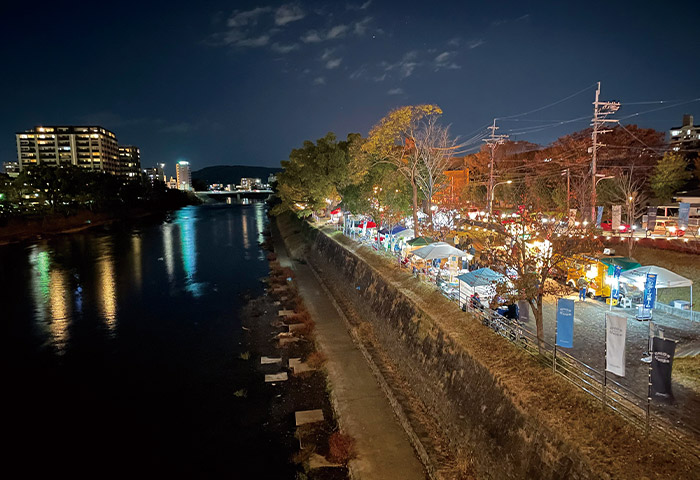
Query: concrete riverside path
[(383, 449)]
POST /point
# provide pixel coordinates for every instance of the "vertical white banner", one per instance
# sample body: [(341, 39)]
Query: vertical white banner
[(616, 214), (615, 336)]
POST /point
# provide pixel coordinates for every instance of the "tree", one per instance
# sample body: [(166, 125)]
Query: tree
[(669, 175), (314, 174), (433, 147), (382, 195), (533, 251), (629, 187), (392, 140)]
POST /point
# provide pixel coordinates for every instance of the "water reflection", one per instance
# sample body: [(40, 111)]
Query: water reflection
[(260, 221), (244, 225), (40, 262), (136, 261), (60, 301), (106, 285), (51, 294), (168, 251), (186, 220)]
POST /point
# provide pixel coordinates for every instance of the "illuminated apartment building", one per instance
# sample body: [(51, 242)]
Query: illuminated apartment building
[(90, 147), (129, 161), (184, 179)]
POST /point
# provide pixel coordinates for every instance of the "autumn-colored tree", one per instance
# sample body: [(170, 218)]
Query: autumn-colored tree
[(392, 140), (532, 250)]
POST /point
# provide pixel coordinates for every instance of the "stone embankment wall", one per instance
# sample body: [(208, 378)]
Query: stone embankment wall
[(509, 416)]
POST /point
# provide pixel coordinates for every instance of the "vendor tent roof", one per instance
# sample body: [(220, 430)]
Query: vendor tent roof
[(481, 277), (393, 231), (664, 278), (418, 241), (623, 262), (438, 250), (405, 233)]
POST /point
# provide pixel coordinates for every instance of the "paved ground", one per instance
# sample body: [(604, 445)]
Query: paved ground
[(589, 337), (384, 451)]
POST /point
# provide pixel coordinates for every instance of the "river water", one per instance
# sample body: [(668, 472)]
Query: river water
[(122, 349)]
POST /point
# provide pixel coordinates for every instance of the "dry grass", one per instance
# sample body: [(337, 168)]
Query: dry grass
[(316, 359), (341, 448), (686, 371)]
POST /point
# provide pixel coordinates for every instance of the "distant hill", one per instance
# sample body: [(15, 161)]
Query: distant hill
[(232, 173)]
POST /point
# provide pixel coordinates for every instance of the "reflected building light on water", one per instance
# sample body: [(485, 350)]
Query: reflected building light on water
[(136, 259), (244, 225), (188, 248), (60, 301), (51, 294), (40, 262), (168, 251), (260, 221), (107, 287)]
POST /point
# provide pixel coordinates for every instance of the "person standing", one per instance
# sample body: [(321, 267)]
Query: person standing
[(582, 288)]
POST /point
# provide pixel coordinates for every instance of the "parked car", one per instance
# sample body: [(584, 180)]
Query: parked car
[(607, 226), (668, 228)]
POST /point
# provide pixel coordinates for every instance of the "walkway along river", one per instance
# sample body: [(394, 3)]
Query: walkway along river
[(123, 345)]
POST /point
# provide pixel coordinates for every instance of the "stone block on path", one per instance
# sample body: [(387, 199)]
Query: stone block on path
[(295, 327), (303, 417), (317, 461), (298, 366), (276, 377), (285, 313), (287, 340), (269, 360)]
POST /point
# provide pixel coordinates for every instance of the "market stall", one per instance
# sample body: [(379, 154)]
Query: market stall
[(481, 282), (636, 278), (435, 252)]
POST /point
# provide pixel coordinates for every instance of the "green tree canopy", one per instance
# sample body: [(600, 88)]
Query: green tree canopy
[(670, 174), (315, 174)]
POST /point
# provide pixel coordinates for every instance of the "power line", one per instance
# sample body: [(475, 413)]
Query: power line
[(547, 106), (660, 108)]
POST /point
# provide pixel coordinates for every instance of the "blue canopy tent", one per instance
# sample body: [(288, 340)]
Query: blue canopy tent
[(479, 281), (393, 231)]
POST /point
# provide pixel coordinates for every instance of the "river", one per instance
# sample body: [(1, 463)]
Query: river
[(122, 349)]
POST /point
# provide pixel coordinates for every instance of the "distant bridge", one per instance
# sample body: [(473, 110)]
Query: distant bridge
[(221, 196)]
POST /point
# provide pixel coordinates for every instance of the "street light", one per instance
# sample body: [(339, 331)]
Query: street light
[(602, 177), (492, 190)]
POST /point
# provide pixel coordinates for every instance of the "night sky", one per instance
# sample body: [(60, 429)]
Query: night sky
[(245, 82)]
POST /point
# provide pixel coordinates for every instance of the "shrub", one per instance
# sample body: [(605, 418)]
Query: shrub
[(341, 448)]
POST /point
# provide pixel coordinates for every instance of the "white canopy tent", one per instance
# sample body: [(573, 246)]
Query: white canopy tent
[(438, 250), (664, 278), (407, 233)]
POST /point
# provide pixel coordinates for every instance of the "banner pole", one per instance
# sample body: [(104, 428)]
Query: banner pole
[(605, 370), (556, 339), (651, 356)]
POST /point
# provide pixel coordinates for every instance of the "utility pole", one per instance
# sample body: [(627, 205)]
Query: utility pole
[(492, 141), (568, 192), (600, 112)]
